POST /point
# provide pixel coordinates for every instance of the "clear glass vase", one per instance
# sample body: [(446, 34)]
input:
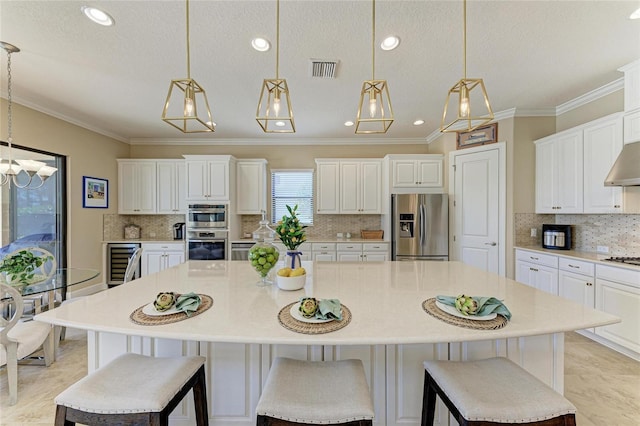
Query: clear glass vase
[(263, 255)]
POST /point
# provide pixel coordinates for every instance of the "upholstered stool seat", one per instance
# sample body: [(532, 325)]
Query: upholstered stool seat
[(315, 392), (134, 389), (493, 391)]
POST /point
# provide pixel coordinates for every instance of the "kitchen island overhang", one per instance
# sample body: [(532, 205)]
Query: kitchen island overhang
[(389, 329)]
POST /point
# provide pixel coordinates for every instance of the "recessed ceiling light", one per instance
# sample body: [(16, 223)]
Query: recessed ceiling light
[(260, 44), (390, 43), (635, 15), (279, 123), (418, 122), (348, 123), (98, 16)]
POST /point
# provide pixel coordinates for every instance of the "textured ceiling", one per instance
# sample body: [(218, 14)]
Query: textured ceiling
[(531, 55)]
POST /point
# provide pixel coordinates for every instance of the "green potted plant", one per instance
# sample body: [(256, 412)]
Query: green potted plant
[(291, 233), (22, 266)]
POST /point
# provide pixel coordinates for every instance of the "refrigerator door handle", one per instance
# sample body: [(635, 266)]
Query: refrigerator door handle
[(422, 223)]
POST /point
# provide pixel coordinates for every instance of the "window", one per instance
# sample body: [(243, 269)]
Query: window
[(36, 217), (292, 187)]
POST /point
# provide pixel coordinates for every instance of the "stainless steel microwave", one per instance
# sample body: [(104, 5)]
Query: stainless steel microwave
[(207, 216)]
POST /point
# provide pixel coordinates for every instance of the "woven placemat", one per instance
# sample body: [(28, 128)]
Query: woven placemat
[(290, 323), (141, 318), (430, 307)]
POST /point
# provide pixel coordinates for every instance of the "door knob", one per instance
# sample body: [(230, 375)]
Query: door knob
[(491, 244)]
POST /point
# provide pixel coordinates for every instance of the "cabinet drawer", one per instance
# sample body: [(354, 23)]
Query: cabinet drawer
[(323, 246), (375, 247), (537, 258), (620, 275), (349, 247), (577, 266), (163, 246)]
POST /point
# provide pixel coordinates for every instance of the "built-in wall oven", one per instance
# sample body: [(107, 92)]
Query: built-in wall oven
[(206, 244), (207, 216)]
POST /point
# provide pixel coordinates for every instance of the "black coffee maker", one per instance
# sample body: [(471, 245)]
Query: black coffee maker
[(178, 231)]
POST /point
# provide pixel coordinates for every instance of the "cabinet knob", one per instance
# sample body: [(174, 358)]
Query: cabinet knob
[(574, 266), (589, 284), (534, 258), (533, 269), (617, 206)]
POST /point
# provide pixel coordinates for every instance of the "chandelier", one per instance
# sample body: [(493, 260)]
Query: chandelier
[(9, 171), (188, 95)]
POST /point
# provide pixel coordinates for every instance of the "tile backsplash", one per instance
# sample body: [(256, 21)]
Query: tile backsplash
[(327, 225), (619, 232), (162, 225)]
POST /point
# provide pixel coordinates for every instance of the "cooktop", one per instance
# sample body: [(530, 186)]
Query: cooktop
[(625, 259)]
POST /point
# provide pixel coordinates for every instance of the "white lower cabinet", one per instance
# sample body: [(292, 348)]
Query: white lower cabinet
[(576, 281), (157, 257), (618, 293), (362, 252), (537, 270), (323, 252)]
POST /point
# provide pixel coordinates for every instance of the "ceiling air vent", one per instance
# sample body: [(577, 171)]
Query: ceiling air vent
[(321, 68)]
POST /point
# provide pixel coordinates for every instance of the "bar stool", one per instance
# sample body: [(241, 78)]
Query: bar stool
[(315, 392), (490, 392), (134, 389)]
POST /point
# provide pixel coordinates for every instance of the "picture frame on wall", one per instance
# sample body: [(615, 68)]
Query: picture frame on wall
[(481, 136), (95, 193)]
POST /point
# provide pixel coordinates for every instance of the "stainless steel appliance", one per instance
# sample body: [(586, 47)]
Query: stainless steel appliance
[(629, 260), (625, 171), (240, 249), (118, 255), (206, 244), (420, 227), (556, 237), (178, 231), (207, 216)]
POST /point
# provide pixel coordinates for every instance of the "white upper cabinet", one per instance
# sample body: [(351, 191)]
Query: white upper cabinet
[(251, 186), (602, 144), (417, 171), (571, 167), (360, 183), (137, 186), (559, 166), (327, 186), (631, 85), (171, 187), (208, 177), (349, 186), (632, 127)]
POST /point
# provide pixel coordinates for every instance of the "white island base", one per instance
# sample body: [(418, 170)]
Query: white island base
[(389, 331), (236, 372)]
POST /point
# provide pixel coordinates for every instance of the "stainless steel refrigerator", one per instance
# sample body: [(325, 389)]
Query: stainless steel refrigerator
[(420, 227)]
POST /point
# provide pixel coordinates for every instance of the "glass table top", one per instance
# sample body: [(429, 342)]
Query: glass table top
[(61, 279)]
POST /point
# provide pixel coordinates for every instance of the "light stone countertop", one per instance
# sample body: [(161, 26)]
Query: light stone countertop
[(144, 240), (326, 240), (581, 255), (384, 298)]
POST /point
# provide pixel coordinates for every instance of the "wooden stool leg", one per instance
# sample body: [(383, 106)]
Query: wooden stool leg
[(200, 398), (428, 401), (61, 416)]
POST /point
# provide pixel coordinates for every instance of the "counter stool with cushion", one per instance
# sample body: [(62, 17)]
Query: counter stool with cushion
[(315, 392), (134, 389), (493, 391)]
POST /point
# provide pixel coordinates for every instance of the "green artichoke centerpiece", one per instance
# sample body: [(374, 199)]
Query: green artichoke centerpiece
[(466, 305), (164, 301)]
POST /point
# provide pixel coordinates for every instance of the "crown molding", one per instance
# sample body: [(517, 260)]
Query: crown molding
[(271, 142), (591, 96)]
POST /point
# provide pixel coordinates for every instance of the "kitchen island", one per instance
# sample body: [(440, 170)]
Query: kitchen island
[(389, 330)]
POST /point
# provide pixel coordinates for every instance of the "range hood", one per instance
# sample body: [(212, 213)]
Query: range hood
[(626, 169)]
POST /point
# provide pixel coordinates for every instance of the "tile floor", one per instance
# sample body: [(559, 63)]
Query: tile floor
[(604, 385)]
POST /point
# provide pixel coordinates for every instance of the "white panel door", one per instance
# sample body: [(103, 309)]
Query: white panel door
[(570, 168), (219, 180), (370, 183), (328, 187), (350, 188), (477, 209), (404, 173)]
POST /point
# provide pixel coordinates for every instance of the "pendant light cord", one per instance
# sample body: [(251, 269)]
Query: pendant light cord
[(464, 37), (277, 38), (188, 48), (373, 41), (9, 106)]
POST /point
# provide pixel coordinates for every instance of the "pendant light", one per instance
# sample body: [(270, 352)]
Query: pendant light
[(181, 107), (274, 113), (9, 171), (375, 114), (463, 90)]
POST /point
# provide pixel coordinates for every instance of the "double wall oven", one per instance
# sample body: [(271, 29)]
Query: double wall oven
[(207, 232)]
